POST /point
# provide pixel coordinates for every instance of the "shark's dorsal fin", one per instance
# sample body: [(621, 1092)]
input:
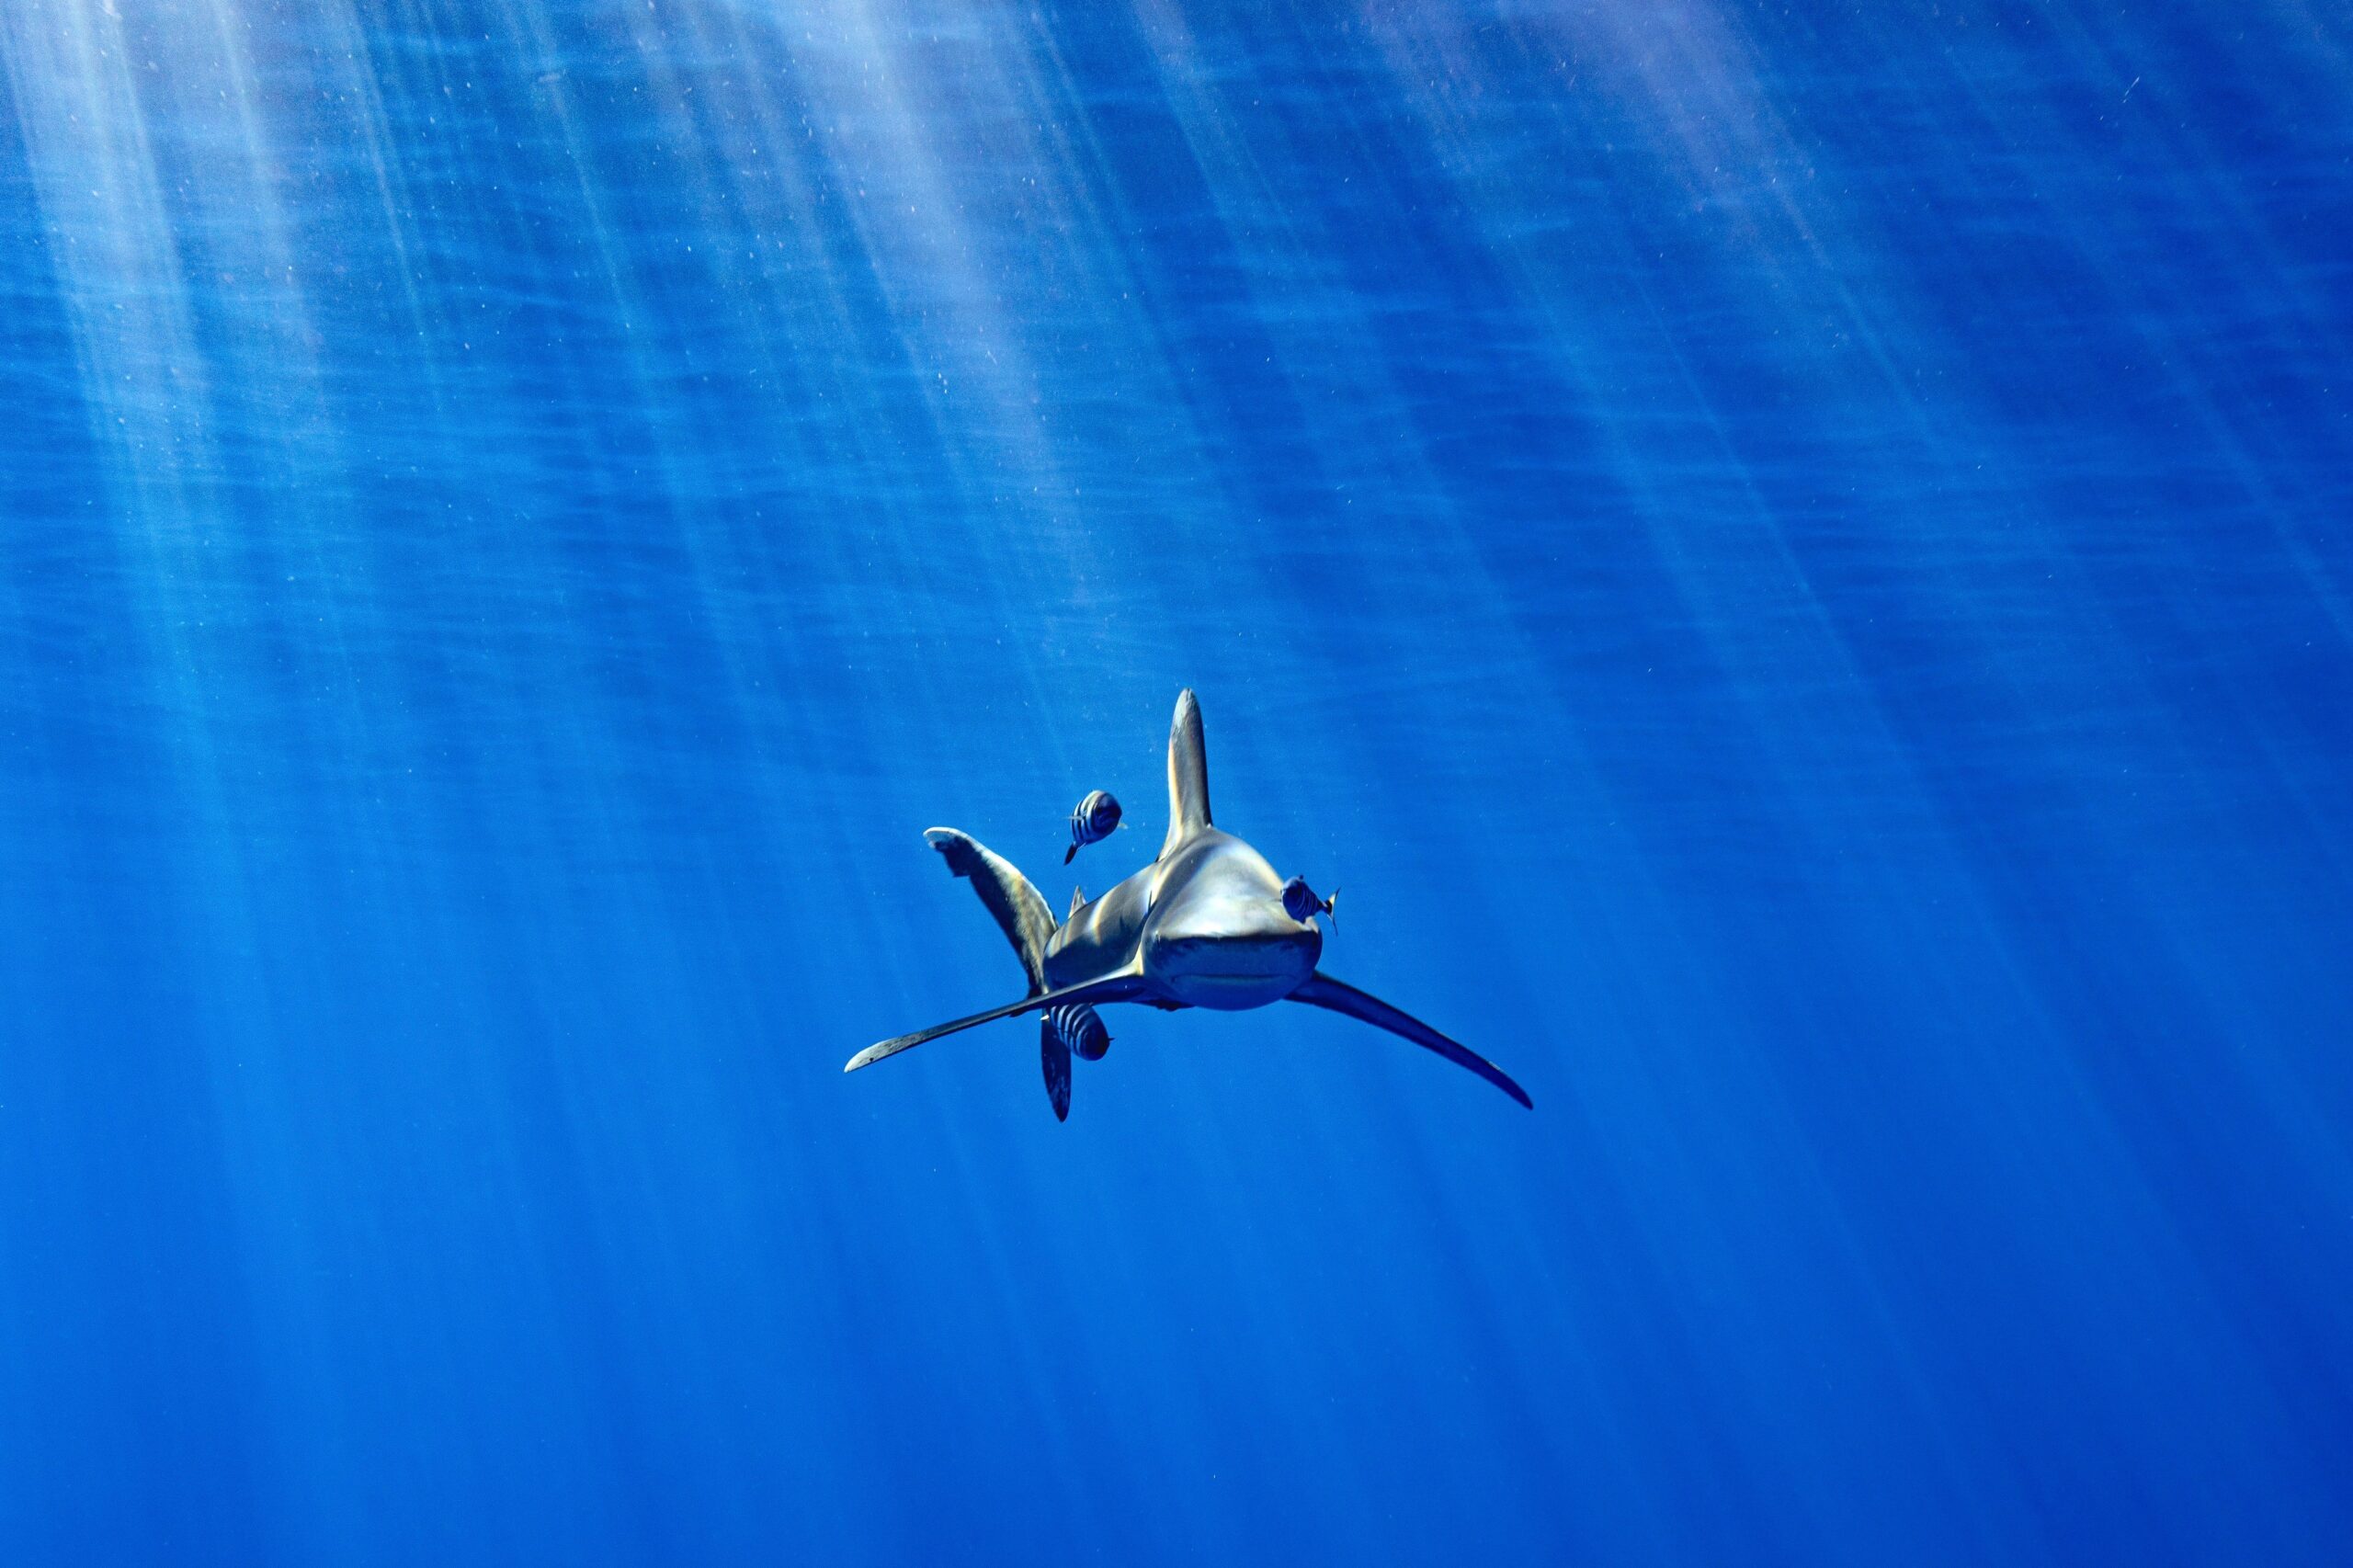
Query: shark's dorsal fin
[(1188, 774), (1078, 902)]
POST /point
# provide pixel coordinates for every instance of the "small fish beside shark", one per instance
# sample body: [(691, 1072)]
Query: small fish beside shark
[(1303, 903), (1208, 923), (1092, 821)]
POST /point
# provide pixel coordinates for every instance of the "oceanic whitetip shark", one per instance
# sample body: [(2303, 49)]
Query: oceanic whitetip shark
[(1203, 926)]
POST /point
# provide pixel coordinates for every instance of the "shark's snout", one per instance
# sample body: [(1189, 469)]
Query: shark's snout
[(1235, 961)]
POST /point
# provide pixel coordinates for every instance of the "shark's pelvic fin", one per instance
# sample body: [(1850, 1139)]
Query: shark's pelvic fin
[(1053, 1055), (1020, 909), (1188, 774), (1321, 990), (1123, 987)]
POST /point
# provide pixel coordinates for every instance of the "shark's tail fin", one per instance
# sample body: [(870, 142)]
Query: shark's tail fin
[(1020, 909)]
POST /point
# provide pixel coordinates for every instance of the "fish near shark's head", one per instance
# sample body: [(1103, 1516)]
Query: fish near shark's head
[(1217, 935)]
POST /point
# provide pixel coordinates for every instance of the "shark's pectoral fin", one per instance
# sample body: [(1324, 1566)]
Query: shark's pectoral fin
[(1111, 988), (1321, 991), (1019, 908), (1053, 1055)]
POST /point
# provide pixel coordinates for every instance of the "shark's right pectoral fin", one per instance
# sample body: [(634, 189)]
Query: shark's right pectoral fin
[(1321, 991), (1112, 988)]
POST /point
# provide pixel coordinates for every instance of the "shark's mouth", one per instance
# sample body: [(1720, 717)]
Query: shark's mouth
[(1231, 974), (1228, 943), (1231, 992)]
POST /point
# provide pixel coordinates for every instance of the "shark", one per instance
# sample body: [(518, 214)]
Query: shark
[(1203, 926)]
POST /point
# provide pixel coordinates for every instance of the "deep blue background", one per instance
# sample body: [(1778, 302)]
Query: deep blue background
[(1794, 567)]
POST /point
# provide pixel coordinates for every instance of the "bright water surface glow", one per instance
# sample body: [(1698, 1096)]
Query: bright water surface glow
[(1792, 561)]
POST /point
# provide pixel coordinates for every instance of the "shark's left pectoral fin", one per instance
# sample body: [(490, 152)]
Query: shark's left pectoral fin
[(1112, 988), (1321, 991)]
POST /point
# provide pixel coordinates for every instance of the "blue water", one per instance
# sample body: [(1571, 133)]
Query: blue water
[(1794, 567)]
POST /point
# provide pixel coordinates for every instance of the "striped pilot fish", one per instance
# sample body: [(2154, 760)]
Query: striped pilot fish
[(1070, 1028), (1092, 820), (1080, 1027), (1300, 902)]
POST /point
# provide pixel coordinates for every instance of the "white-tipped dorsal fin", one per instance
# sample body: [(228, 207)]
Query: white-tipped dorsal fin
[(1188, 774)]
